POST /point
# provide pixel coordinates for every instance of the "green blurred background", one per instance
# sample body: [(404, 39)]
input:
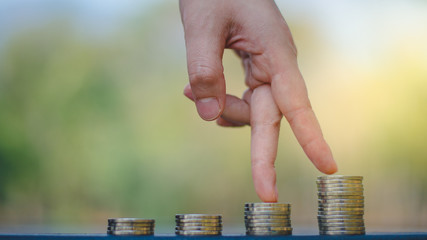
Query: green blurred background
[(93, 122)]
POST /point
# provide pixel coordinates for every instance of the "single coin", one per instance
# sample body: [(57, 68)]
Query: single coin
[(339, 177), (266, 213), (333, 228), (197, 233), (328, 209), (287, 205), (198, 224), (130, 233), (338, 185), (264, 216), (338, 181), (252, 229), (339, 216), (130, 228), (257, 225), (268, 220), (341, 232), (130, 220), (341, 197), (131, 225), (261, 209), (341, 220), (192, 228), (340, 213), (198, 216), (185, 221), (341, 224), (268, 233), (341, 201), (339, 205), (340, 189), (341, 193)]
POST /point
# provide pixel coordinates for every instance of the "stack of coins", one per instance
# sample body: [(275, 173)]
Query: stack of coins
[(130, 226), (198, 224), (268, 219), (341, 205)]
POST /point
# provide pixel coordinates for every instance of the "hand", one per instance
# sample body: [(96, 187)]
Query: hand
[(256, 30)]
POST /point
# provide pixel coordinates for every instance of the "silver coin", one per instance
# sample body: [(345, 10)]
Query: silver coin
[(198, 216), (339, 216), (257, 225), (338, 181), (341, 232), (284, 205), (272, 209), (346, 228), (130, 228), (348, 205), (339, 177), (340, 189), (192, 228), (332, 211), (130, 233), (331, 183), (267, 213), (338, 185), (198, 224), (268, 220), (185, 221), (341, 193), (341, 201), (131, 225), (341, 197), (337, 213), (268, 233), (340, 209), (267, 217), (130, 220), (341, 224), (252, 229), (197, 233), (342, 220)]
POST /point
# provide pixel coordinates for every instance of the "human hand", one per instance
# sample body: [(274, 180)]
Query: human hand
[(256, 30)]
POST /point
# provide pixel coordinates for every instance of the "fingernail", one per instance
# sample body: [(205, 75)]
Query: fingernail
[(208, 108)]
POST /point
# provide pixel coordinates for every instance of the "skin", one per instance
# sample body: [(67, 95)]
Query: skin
[(257, 32)]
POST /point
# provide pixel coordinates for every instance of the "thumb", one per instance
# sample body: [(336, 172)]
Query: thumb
[(205, 46)]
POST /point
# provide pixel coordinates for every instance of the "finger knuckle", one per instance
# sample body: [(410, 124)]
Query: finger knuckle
[(203, 74)]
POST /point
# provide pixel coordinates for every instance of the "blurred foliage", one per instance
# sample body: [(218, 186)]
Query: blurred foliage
[(97, 127)]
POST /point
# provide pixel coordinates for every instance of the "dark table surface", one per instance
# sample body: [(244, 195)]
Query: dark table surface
[(228, 237)]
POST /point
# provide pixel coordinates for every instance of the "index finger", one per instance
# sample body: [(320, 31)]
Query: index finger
[(290, 94)]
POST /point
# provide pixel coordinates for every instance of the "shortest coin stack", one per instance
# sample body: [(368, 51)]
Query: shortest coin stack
[(268, 219), (130, 226), (198, 225), (341, 205)]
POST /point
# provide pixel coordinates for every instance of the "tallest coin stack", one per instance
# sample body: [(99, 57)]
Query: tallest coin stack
[(341, 205)]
